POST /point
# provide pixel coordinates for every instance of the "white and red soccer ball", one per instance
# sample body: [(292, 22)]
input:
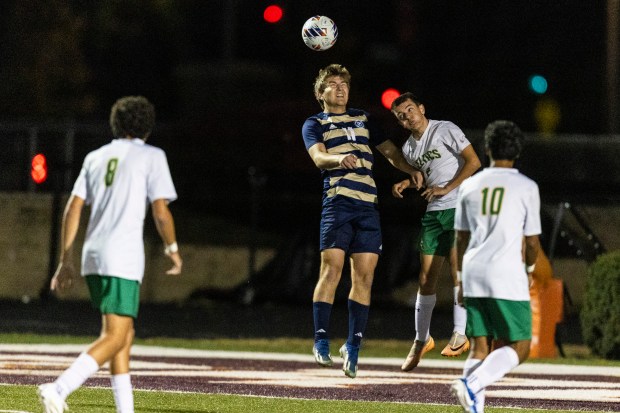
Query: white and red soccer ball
[(319, 33)]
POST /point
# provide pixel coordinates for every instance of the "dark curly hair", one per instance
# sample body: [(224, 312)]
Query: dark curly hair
[(403, 98), (132, 116), (503, 139)]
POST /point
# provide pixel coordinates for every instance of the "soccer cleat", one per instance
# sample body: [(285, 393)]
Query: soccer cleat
[(418, 349), (464, 395), (457, 345), (321, 353), (349, 355), (50, 399)]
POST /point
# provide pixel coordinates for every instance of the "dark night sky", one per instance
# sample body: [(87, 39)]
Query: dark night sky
[(469, 60), (232, 91)]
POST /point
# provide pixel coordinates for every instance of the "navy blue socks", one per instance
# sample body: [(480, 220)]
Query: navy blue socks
[(321, 312), (358, 318)]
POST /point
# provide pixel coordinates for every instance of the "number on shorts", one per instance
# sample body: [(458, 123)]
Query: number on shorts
[(109, 175), (493, 205)]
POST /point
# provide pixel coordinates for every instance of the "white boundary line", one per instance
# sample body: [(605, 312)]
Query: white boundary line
[(156, 351), (13, 411)]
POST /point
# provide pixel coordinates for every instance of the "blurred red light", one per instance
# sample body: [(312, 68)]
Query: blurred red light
[(38, 172), (273, 13), (388, 96)]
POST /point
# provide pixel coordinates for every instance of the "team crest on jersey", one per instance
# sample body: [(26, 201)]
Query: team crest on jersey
[(359, 124)]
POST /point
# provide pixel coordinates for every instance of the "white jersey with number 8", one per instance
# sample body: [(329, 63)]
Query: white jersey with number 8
[(118, 181)]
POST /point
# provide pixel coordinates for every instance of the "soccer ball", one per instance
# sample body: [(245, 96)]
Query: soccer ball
[(319, 33)]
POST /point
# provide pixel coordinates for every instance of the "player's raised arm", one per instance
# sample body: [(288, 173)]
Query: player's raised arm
[(324, 160), (396, 158), (472, 164)]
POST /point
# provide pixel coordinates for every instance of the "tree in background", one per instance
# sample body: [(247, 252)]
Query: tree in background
[(64, 58), (43, 70)]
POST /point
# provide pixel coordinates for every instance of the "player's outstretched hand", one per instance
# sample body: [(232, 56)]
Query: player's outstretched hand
[(177, 264), (63, 277), (433, 192)]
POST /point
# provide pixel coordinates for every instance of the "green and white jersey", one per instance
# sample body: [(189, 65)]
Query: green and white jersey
[(437, 156), (498, 206), (119, 181)]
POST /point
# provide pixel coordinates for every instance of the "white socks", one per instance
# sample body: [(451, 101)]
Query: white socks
[(424, 305), (497, 364), (469, 367), (460, 314), (82, 368), (85, 366), (123, 394)]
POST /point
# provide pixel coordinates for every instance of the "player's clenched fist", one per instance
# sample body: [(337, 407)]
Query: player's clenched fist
[(349, 161)]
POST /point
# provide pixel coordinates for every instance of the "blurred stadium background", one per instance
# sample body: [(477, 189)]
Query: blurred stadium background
[(232, 91)]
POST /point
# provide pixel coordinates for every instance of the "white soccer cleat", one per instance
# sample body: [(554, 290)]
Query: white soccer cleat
[(51, 401), (464, 395)]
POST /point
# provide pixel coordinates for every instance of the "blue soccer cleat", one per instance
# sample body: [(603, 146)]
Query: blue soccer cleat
[(349, 355), (321, 353)]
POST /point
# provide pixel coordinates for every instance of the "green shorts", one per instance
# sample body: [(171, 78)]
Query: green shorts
[(437, 233), (114, 295), (500, 319)]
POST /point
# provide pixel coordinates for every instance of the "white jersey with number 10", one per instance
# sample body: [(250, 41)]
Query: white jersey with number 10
[(498, 206)]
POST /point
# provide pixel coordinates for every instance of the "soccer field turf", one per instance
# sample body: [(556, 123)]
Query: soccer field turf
[(169, 379)]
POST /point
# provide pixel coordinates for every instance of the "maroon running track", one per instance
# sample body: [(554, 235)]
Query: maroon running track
[(296, 376)]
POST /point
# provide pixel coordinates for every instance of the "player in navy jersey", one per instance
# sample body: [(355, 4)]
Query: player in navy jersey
[(340, 141)]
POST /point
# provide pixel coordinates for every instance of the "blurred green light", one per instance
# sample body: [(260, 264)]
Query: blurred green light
[(538, 84)]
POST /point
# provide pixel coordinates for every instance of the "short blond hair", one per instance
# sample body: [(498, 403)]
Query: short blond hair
[(332, 70)]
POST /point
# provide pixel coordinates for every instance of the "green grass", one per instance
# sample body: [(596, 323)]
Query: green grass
[(89, 400)]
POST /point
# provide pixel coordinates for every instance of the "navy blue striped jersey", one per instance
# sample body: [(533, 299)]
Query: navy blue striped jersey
[(349, 132)]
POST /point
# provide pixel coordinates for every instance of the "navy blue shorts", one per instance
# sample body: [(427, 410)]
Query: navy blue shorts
[(351, 228)]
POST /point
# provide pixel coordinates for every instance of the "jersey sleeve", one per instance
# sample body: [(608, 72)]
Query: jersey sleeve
[(159, 183), (532, 224), (455, 138), (311, 132)]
